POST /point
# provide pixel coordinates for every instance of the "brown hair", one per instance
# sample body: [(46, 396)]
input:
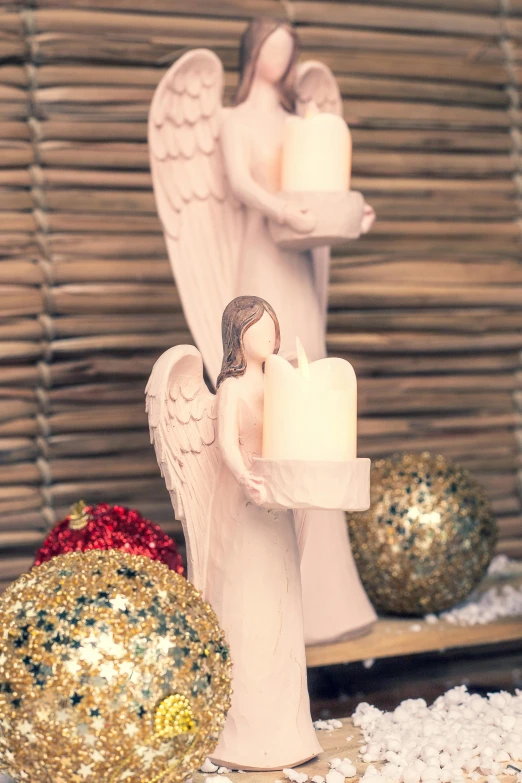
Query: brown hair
[(242, 313), (252, 40)]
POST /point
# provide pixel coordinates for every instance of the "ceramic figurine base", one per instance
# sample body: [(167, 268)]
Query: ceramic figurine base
[(337, 743), (300, 484), (339, 219)]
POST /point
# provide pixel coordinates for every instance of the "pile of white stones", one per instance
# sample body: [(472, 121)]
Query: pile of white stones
[(460, 737), (493, 604)]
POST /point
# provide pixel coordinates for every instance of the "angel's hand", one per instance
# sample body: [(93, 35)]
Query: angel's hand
[(254, 487), (368, 218), (300, 220)]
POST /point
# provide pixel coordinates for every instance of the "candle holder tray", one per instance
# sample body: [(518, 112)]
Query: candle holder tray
[(340, 217), (308, 484)]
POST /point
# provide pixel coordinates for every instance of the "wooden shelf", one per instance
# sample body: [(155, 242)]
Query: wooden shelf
[(399, 636)]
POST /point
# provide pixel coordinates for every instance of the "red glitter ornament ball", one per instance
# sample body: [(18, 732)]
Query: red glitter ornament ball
[(109, 527)]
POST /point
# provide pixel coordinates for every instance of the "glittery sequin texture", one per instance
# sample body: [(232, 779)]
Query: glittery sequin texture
[(428, 537), (93, 645), (110, 527)]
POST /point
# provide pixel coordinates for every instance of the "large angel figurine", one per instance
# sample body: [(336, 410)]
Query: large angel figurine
[(243, 558), (216, 173)]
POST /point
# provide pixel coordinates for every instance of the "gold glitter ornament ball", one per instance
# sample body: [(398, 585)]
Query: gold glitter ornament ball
[(112, 668), (428, 537)]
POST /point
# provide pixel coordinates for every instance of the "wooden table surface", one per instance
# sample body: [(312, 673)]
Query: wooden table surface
[(341, 743)]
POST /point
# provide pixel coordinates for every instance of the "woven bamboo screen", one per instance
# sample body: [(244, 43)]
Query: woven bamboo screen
[(428, 307)]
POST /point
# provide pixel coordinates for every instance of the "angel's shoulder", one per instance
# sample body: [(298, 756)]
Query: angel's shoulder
[(229, 389), (233, 120)]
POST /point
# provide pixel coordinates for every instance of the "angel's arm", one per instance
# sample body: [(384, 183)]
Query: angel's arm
[(237, 164), (228, 429)]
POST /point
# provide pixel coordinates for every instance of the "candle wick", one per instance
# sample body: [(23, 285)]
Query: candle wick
[(311, 109)]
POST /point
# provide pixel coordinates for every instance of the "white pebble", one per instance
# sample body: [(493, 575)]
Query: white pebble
[(317, 779), (372, 774), (334, 777), (347, 769), (334, 763), (430, 774), (392, 772), (208, 766), (295, 777), (322, 725), (328, 725), (368, 663), (224, 771), (411, 775)]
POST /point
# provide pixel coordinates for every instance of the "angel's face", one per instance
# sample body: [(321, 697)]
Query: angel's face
[(275, 56), (259, 340)]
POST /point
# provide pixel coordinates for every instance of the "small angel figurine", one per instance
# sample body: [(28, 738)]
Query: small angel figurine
[(242, 557), (216, 174)]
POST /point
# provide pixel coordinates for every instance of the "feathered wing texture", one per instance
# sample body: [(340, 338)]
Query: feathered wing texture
[(315, 82), (183, 428), (202, 223)]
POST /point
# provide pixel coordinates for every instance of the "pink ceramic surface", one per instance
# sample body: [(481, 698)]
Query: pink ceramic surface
[(303, 484), (340, 217), (216, 174), (243, 557)]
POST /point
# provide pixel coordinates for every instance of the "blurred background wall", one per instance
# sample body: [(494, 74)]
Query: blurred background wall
[(428, 307)]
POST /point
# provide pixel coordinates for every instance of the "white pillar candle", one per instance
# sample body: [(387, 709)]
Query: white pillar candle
[(310, 412), (317, 153)]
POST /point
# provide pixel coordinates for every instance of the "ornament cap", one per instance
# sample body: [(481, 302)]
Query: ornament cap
[(174, 716), (78, 516)]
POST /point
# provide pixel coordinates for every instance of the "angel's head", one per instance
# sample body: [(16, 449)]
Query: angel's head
[(269, 50), (250, 332)]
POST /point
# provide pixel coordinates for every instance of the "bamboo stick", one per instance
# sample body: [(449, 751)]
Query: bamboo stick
[(233, 8), (468, 321), (71, 20), (423, 57), (511, 547), (324, 37), (412, 19), (433, 271), (405, 295)]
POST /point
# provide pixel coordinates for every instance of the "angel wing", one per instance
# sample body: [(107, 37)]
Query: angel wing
[(182, 423), (202, 223), (315, 82)]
